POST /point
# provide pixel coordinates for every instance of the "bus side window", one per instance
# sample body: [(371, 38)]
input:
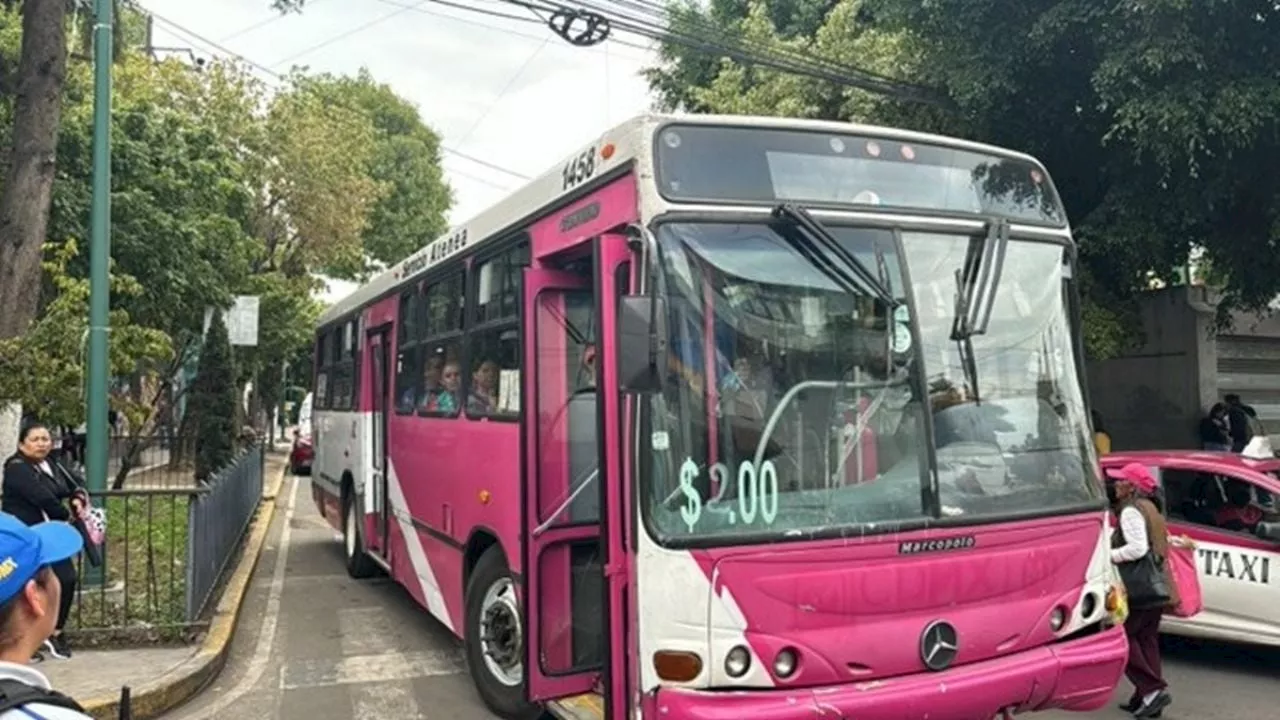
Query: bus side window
[(408, 375), (441, 395), (493, 343), (408, 354)]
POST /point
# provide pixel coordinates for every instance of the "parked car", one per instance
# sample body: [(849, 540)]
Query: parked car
[(302, 453), (1227, 504)]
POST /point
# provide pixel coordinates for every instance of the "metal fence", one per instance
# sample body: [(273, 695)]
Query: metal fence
[(149, 461), (165, 553), (218, 520)]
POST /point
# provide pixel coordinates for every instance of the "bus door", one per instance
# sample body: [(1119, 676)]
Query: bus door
[(613, 280), (565, 637), (379, 390)]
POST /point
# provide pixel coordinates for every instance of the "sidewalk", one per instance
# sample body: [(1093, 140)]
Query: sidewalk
[(163, 677)]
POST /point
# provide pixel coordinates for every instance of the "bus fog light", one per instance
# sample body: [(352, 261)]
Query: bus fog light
[(1057, 619), (737, 662), (784, 665)]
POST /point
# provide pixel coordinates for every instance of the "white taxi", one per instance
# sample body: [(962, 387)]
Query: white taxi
[(1227, 504)]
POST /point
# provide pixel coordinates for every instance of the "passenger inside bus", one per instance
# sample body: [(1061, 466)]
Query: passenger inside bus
[(445, 398), (431, 372), (483, 396)]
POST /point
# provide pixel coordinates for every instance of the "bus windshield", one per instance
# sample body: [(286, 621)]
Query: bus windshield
[(795, 406)]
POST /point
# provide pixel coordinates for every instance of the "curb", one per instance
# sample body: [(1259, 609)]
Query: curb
[(192, 675)]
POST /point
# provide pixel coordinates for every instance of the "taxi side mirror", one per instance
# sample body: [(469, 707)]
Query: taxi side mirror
[(1268, 531)]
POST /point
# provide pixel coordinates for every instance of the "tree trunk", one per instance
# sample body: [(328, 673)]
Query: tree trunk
[(28, 185)]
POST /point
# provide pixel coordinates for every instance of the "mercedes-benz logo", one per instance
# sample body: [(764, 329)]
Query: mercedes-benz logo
[(939, 644)]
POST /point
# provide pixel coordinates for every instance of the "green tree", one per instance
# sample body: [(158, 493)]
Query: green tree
[(44, 368), (220, 188), (314, 193), (213, 402), (415, 197)]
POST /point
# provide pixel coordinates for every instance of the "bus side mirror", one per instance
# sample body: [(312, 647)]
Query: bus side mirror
[(642, 343), (1268, 531)]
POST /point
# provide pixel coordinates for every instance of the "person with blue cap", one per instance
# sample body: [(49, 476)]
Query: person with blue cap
[(30, 593)]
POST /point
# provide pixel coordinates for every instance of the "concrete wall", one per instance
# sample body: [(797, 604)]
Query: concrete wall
[(1154, 396)]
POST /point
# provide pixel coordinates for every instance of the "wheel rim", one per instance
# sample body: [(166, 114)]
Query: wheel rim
[(501, 635), (351, 530)]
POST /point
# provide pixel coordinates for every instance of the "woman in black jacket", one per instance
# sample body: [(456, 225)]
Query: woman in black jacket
[(35, 489)]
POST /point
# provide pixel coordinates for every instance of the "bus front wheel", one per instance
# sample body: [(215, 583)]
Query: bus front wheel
[(495, 637)]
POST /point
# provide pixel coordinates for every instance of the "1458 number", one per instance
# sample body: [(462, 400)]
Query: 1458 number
[(580, 169)]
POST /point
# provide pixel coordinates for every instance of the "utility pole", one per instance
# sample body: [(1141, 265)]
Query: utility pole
[(99, 259)]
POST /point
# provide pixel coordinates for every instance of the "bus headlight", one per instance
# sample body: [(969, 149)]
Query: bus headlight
[(737, 662)]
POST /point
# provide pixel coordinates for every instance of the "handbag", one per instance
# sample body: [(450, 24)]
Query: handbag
[(1145, 581), (1182, 566), (91, 522)]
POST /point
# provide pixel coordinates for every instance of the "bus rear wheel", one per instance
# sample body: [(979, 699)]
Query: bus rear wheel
[(495, 637)]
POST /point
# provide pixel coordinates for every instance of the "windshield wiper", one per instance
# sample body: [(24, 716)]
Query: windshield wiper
[(822, 250), (976, 285)]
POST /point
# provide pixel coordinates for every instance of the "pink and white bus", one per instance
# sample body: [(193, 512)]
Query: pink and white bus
[(737, 418)]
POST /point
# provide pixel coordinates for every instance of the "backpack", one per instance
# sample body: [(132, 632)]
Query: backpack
[(15, 694)]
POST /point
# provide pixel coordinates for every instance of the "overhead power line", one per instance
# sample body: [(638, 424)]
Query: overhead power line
[(194, 37), (531, 18), (275, 16), (353, 31), (583, 22)]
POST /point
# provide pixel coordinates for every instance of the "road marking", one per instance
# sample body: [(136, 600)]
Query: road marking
[(361, 669), (368, 630), (381, 702), (270, 621)]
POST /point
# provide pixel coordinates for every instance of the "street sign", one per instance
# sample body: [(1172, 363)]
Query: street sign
[(242, 321)]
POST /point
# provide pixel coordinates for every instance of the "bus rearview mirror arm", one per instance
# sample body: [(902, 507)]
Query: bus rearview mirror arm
[(642, 343)]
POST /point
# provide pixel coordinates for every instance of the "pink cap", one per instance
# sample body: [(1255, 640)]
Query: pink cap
[(1135, 474)]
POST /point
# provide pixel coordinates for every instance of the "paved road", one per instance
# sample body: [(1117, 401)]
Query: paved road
[(316, 645)]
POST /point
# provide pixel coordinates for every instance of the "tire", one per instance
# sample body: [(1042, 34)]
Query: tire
[(359, 565), (503, 694)]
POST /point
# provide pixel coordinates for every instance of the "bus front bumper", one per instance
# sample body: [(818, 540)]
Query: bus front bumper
[(1079, 675)]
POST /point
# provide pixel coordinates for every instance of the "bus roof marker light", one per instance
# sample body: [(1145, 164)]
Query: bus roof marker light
[(837, 145), (873, 148), (672, 139), (606, 152), (908, 152)]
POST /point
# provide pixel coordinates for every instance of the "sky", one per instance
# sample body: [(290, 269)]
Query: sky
[(510, 96)]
